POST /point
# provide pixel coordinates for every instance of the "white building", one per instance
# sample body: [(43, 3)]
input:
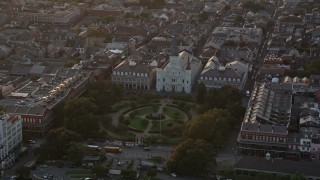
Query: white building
[(63, 17), (10, 138), (179, 74)]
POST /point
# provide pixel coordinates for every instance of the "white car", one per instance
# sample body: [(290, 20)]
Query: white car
[(43, 166), (173, 174)]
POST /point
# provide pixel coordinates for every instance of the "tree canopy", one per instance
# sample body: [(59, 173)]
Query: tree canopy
[(80, 116), (99, 171), (58, 142), (227, 97), (191, 157), (156, 4), (104, 94), (203, 16), (201, 92), (23, 172), (212, 126), (253, 6), (76, 152)]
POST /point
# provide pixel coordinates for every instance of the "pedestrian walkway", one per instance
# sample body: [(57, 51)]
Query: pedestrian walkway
[(115, 118)]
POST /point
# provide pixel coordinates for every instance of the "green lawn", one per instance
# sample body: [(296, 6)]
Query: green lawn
[(136, 123), (171, 112), (156, 125), (146, 110)]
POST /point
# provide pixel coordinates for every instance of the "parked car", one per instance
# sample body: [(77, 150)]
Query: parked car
[(173, 174), (146, 149), (32, 141), (43, 166)]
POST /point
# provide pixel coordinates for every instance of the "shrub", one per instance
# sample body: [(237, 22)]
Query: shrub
[(126, 122), (145, 122), (169, 124)]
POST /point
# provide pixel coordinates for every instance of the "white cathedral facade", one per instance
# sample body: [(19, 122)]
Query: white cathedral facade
[(179, 74)]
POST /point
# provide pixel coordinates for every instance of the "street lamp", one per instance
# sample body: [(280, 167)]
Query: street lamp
[(160, 123)]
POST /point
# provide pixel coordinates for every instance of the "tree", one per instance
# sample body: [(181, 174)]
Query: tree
[(191, 157), (2, 110), (108, 19), (227, 8), (80, 116), (253, 6), (220, 98), (212, 127), (128, 173), (23, 172), (108, 38), (297, 176), (239, 20), (201, 92), (229, 43), (58, 142), (70, 63), (152, 173), (99, 171), (96, 32), (75, 153), (203, 16), (104, 94)]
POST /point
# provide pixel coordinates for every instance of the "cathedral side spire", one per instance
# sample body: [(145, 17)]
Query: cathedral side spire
[(188, 64)]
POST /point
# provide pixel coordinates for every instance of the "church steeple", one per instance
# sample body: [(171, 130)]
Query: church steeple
[(188, 64), (174, 47)]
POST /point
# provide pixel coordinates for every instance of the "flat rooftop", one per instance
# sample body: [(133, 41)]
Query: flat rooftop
[(309, 169)]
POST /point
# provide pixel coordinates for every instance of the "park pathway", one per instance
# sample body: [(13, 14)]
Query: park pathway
[(146, 131), (115, 116), (115, 119), (102, 128)]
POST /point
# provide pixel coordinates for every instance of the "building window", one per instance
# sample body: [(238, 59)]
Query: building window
[(164, 80)]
